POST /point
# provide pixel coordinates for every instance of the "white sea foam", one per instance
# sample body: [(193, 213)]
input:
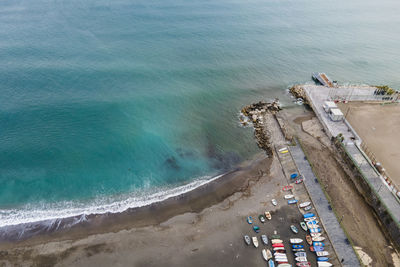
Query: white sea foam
[(44, 212)]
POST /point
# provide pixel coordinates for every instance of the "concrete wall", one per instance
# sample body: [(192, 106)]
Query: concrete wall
[(391, 227)]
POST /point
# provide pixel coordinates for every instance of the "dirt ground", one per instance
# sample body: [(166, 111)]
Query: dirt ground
[(357, 217), (379, 127)]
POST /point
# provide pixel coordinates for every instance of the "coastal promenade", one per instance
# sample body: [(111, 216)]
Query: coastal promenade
[(336, 235), (316, 95)]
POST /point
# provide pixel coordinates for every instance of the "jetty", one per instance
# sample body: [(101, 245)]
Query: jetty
[(323, 79)]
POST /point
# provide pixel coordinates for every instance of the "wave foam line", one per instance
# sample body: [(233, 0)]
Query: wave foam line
[(31, 214)]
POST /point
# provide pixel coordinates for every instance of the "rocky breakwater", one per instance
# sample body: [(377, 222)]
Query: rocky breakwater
[(298, 92), (258, 113)]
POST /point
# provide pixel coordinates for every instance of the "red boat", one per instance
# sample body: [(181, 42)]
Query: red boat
[(279, 245), (286, 188), (312, 249), (298, 181)]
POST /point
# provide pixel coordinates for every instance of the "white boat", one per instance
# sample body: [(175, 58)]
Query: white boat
[(277, 254), (281, 259), (295, 240), (318, 238), (304, 204), (276, 241), (315, 234), (324, 264), (279, 248), (288, 196), (266, 254), (300, 259), (300, 254), (282, 149), (255, 241), (310, 219), (322, 253), (284, 265), (274, 202)]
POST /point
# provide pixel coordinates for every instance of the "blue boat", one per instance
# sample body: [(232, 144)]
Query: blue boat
[(318, 249), (271, 263), (309, 215), (297, 246), (315, 230), (292, 201), (322, 259), (293, 175), (249, 220), (318, 244), (256, 228)]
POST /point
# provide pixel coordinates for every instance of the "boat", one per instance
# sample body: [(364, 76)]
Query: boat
[(275, 236), (255, 241), (294, 229), (318, 238), (309, 239), (304, 204), (322, 79), (295, 240), (249, 220), (315, 230), (293, 175), (308, 215), (312, 249), (315, 234), (264, 239), (256, 228), (298, 249), (308, 208), (266, 253), (292, 201), (288, 196), (268, 215), (277, 254), (287, 187), (322, 253), (310, 219), (284, 265), (274, 202), (298, 181), (276, 241), (282, 149), (319, 244), (261, 218), (322, 259), (271, 263), (317, 248), (247, 239), (301, 259), (279, 245), (300, 254), (303, 226), (324, 264), (297, 246), (303, 264), (281, 260), (279, 249), (312, 224)]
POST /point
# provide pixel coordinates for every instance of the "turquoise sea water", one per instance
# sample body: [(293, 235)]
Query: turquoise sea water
[(105, 104)]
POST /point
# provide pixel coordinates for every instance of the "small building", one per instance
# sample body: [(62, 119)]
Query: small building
[(335, 114), (328, 105)]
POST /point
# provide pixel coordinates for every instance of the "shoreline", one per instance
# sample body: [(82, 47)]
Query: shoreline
[(195, 200)]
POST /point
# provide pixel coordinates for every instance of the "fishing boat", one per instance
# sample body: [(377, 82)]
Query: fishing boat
[(318, 238), (304, 204), (297, 246), (294, 229), (279, 245), (288, 196), (308, 208), (292, 201), (255, 241), (309, 239), (312, 224), (308, 215), (317, 248), (300, 259), (276, 241), (247, 239), (298, 181), (300, 254), (261, 218), (322, 259), (264, 239), (271, 263), (287, 188), (319, 244), (249, 220), (266, 253), (310, 219), (322, 253), (303, 226), (315, 230), (274, 202), (295, 240), (324, 264)]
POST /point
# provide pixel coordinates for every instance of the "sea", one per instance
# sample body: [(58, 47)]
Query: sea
[(107, 105)]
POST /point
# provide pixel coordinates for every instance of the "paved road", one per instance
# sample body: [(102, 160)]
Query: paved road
[(336, 235)]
